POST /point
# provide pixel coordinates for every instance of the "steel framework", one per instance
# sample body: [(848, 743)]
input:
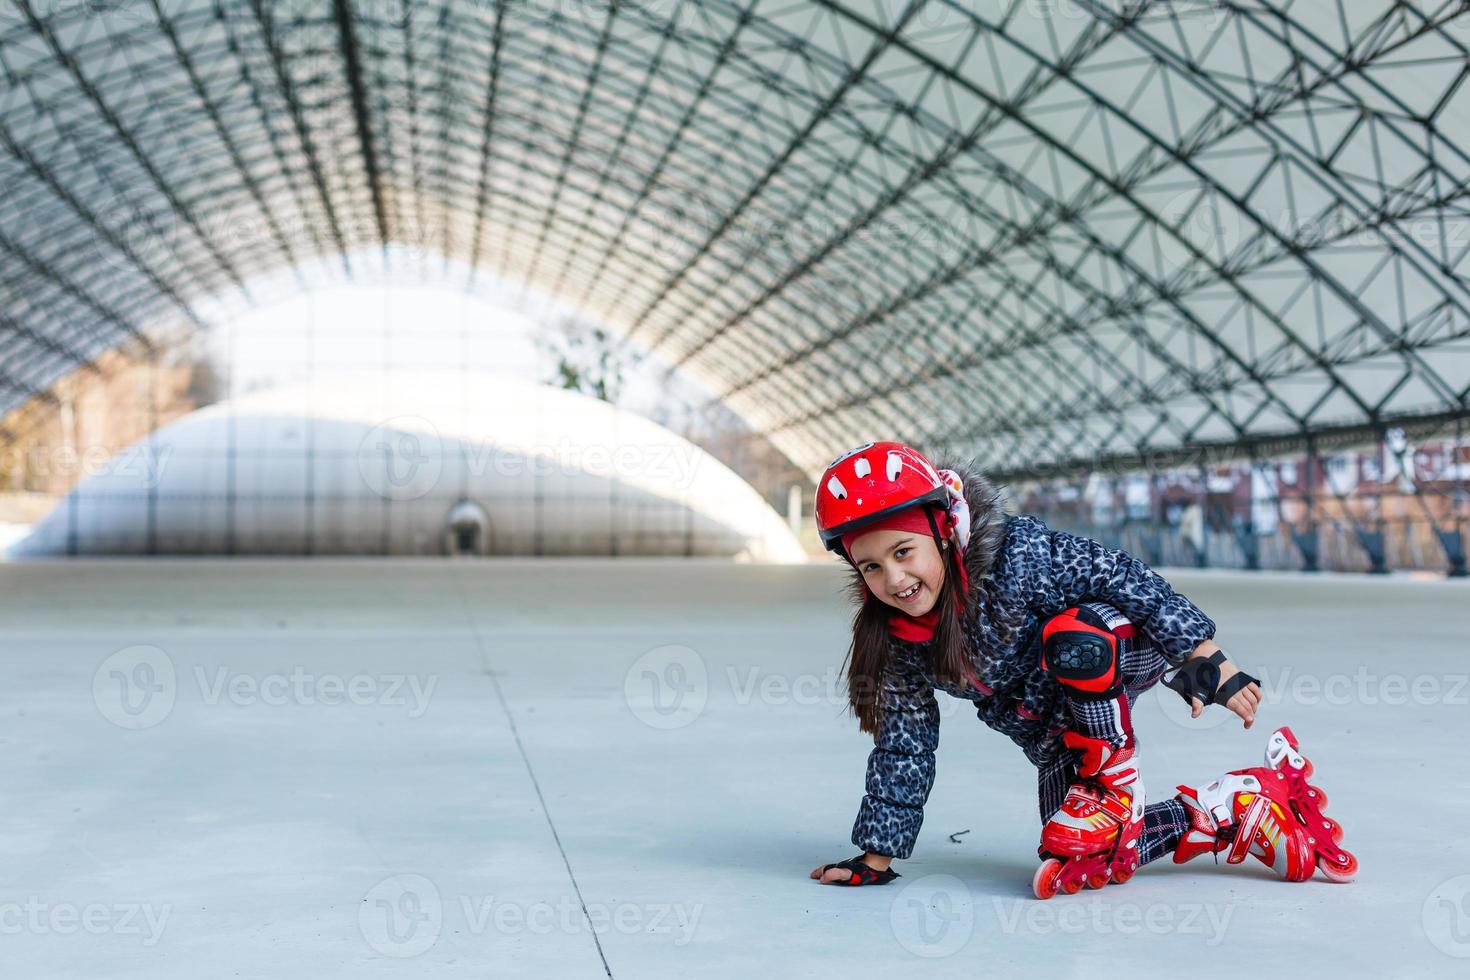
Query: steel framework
[(1048, 232)]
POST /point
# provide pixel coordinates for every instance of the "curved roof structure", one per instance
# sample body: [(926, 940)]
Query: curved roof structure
[(1046, 232)]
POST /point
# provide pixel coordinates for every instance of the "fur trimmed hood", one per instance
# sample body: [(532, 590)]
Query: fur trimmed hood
[(987, 526)]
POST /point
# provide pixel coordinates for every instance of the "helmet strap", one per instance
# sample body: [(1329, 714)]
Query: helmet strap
[(934, 528)]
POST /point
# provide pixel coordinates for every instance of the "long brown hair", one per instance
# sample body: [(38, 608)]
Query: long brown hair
[(868, 656)]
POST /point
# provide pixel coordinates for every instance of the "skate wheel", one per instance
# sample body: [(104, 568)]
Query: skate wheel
[(1072, 886), (1097, 881), (1048, 876), (1335, 829), (1317, 796), (1339, 871), (1121, 875), (1308, 768)]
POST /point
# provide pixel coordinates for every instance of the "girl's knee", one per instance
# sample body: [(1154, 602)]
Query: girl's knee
[(1083, 653)]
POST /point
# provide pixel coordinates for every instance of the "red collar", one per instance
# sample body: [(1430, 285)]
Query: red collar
[(915, 629)]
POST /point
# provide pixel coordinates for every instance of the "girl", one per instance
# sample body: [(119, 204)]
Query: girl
[(1053, 637)]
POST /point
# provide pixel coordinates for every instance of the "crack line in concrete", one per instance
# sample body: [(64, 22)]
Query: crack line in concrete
[(526, 760)]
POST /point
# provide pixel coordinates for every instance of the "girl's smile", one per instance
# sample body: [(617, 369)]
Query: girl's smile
[(903, 569)]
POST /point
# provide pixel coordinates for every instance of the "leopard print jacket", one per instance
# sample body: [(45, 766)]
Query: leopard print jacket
[(1021, 573)]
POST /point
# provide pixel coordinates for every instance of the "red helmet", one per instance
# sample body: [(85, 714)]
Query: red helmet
[(866, 484)]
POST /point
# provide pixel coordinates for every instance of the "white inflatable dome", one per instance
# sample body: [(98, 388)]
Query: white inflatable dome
[(414, 466)]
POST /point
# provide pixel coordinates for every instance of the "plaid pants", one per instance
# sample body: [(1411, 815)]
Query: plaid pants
[(1140, 666)]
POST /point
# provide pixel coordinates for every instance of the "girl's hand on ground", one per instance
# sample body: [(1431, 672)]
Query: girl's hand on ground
[(836, 874), (830, 874), (1244, 702)]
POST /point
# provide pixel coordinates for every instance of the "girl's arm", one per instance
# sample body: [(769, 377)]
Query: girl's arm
[(1069, 568), (901, 765), (1063, 569)]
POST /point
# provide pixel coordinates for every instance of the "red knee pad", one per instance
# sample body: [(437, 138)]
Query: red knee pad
[(1079, 650)]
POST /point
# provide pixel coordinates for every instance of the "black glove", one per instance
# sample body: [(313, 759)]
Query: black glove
[(1198, 678), (861, 873)]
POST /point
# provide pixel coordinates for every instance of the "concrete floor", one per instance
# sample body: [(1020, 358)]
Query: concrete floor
[(589, 768)]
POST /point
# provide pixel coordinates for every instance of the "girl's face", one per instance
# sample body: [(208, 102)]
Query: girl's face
[(903, 568)]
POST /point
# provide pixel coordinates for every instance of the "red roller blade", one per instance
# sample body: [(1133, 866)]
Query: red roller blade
[(1070, 874), (1092, 839), (1292, 769), (1270, 813)]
